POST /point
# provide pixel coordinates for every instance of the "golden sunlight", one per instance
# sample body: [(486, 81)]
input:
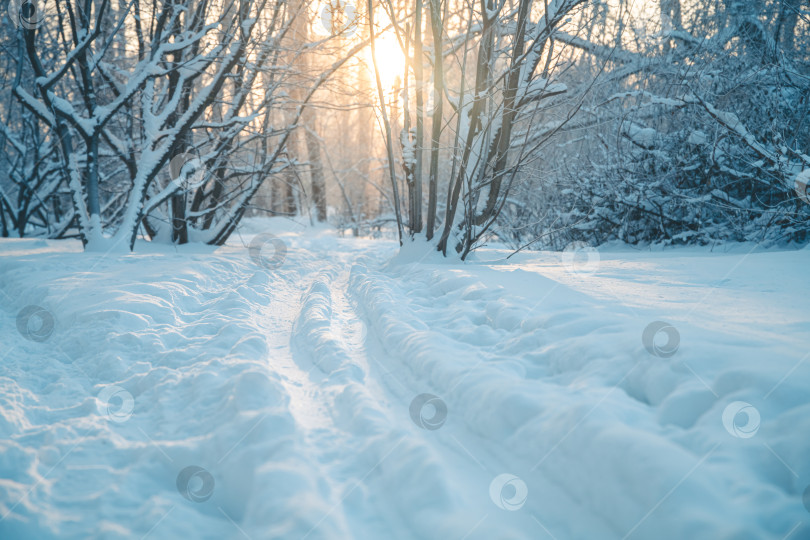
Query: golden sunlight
[(390, 60)]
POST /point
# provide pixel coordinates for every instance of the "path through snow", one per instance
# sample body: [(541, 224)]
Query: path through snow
[(351, 393)]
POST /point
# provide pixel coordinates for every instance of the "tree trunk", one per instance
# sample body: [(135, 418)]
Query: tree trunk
[(436, 127), (316, 172), (419, 143), (388, 143)]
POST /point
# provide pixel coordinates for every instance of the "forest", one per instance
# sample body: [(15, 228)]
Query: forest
[(530, 123)]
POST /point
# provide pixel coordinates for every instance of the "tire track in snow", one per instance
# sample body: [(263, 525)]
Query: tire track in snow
[(473, 443), (583, 446), (192, 345), (389, 470), (203, 344)]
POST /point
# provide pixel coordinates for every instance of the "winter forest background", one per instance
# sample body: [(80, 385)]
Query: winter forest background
[(537, 123), (405, 269)]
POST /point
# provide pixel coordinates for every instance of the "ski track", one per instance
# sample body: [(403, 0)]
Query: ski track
[(292, 387)]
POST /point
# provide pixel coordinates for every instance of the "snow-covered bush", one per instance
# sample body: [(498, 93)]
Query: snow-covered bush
[(695, 132)]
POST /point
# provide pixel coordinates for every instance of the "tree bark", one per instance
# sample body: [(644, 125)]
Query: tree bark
[(436, 127), (419, 143)]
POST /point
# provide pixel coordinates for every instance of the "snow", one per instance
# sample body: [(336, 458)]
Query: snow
[(643, 136), (800, 184), (697, 137), (344, 389)]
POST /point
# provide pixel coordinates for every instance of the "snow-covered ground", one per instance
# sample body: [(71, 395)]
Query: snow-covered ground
[(343, 390)]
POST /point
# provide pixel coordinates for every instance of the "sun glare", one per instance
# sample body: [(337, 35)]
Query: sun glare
[(390, 60)]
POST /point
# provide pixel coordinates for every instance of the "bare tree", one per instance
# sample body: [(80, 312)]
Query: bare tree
[(505, 49), (184, 93)]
